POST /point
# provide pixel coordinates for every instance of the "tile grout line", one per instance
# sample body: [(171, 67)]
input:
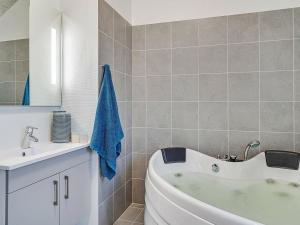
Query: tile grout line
[(256, 101), (259, 82), (14, 60), (5, 82), (137, 205), (15, 72), (294, 105), (112, 38), (218, 130), (222, 44), (227, 87), (127, 220), (131, 116), (198, 83), (113, 66), (131, 100), (146, 91), (171, 44), (126, 117), (125, 104), (146, 101), (135, 219), (210, 73)]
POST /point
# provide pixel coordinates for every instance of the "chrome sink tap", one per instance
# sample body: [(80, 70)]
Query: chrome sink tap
[(28, 137)]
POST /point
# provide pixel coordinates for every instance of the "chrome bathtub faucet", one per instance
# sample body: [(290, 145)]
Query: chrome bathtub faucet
[(251, 145), (28, 137), (228, 158), (223, 158)]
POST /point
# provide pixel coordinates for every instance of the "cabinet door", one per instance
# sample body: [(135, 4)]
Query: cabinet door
[(36, 204), (75, 198)]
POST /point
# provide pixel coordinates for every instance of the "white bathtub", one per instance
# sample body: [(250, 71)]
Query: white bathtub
[(166, 204)]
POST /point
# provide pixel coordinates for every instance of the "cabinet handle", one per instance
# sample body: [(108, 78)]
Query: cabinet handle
[(55, 202), (66, 187)]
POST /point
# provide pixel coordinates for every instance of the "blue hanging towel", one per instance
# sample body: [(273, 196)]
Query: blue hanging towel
[(107, 133), (26, 96)]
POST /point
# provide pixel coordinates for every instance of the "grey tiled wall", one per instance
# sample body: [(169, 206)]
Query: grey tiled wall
[(115, 49), (14, 69), (215, 84)]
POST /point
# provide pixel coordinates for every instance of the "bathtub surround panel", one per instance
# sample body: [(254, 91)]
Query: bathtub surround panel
[(115, 40), (215, 84)]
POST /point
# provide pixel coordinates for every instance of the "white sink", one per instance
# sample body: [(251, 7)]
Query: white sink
[(23, 157)]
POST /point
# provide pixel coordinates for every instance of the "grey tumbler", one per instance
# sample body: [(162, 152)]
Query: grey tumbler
[(61, 127)]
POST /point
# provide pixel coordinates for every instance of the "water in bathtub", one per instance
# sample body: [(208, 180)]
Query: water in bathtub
[(269, 201)]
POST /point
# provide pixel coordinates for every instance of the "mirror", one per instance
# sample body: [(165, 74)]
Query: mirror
[(30, 52)]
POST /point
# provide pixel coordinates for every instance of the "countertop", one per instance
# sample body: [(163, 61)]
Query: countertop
[(14, 159)]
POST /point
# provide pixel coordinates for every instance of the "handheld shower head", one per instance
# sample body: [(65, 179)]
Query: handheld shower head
[(252, 144)]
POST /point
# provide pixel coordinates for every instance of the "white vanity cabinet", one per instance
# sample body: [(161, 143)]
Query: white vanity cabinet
[(2, 197), (52, 192)]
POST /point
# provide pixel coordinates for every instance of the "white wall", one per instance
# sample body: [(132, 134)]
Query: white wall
[(157, 11), (80, 71), (13, 121), (80, 59), (123, 7), (14, 23)]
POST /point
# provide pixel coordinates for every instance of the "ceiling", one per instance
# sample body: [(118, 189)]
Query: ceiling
[(140, 12)]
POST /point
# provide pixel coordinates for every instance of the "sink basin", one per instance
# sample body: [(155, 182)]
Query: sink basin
[(34, 151), (20, 153), (17, 158)]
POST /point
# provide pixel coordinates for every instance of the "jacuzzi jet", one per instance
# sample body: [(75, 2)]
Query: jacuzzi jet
[(238, 192), (270, 181), (295, 185), (178, 174), (175, 186), (283, 194)]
